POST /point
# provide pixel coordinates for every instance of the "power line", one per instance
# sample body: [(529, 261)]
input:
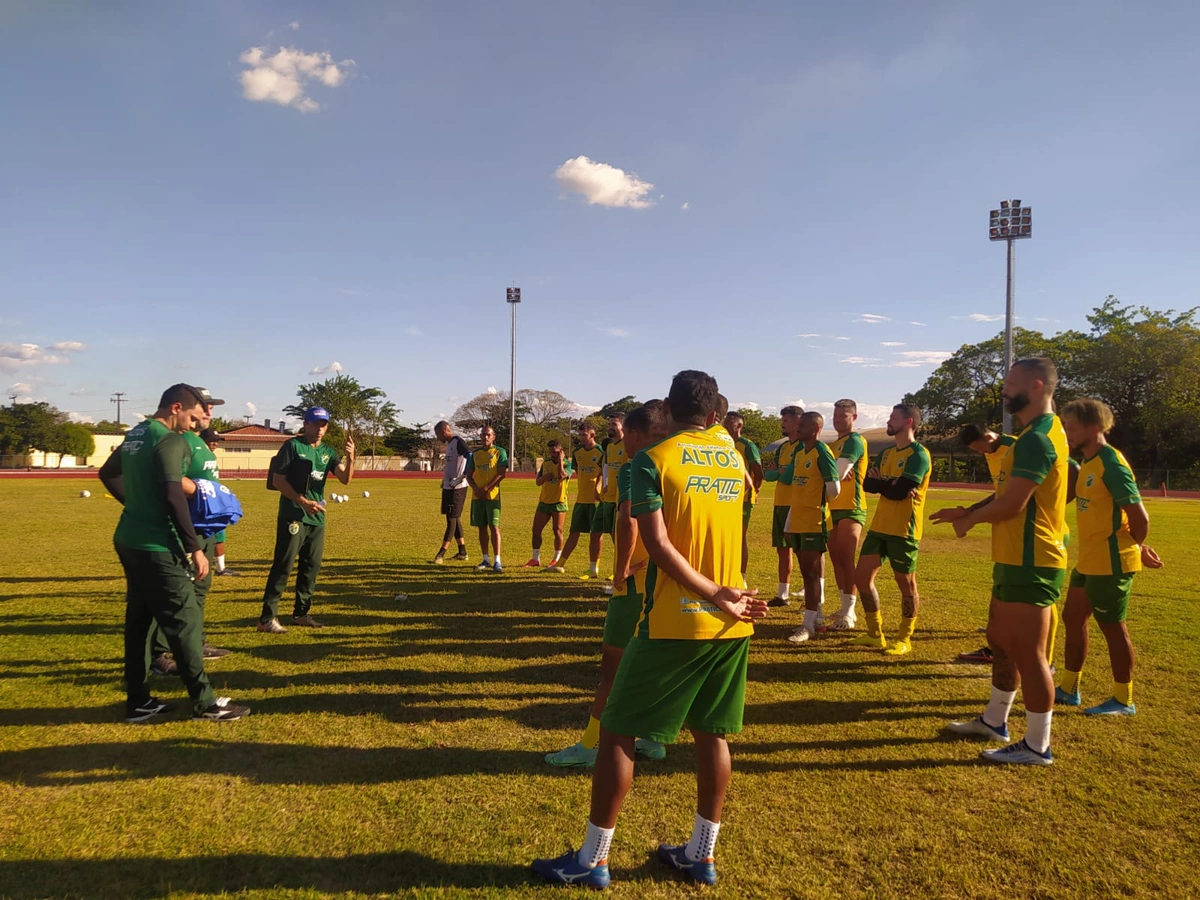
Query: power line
[(118, 398)]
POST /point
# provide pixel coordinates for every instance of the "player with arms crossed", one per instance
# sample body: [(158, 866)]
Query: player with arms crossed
[(486, 468), (552, 502)]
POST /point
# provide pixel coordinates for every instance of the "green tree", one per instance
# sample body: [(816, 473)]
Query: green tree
[(106, 426), (382, 416), (220, 424), (759, 427), (350, 405), (488, 408), (31, 426), (624, 406), (76, 440), (409, 440)]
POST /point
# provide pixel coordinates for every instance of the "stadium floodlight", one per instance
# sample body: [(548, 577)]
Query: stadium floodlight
[(1011, 222), (513, 297)]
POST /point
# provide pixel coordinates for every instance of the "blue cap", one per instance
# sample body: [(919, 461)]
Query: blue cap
[(316, 414)]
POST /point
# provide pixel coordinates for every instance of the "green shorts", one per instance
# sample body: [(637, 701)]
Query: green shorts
[(809, 542), (485, 512), (582, 516), (604, 521), (747, 509), (662, 685), (780, 539), (854, 515), (551, 509), (1035, 585), (901, 552), (1108, 595), (624, 611)]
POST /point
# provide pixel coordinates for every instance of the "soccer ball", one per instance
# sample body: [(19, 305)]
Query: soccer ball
[(85, 494), (366, 494)]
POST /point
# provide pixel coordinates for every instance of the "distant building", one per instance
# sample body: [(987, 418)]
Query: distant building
[(251, 448)]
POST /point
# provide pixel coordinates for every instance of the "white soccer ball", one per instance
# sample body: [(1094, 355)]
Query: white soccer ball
[(366, 494), (85, 494)]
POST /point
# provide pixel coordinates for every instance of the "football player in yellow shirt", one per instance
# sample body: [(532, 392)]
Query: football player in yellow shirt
[(486, 468), (814, 483), (587, 462), (848, 508), (734, 423), (686, 665), (552, 502), (778, 468), (1028, 519), (1113, 525), (605, 521)]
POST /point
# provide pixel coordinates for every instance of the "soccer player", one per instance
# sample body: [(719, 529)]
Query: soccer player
[(752, 459), (212, 439), (815, 482), (779, 470), (300, 526), (454, 490), (157, 546), (687, 662), (1028, 519), (588, 464), (901, 478), (644, 426), (1113, 525), (552, 502), (605, 520), (486, 468), (849, 509)]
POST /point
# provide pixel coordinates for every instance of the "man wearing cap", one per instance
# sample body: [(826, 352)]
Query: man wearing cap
[(298, 472), (211, 437)]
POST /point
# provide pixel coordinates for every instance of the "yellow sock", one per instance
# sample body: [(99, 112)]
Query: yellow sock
[(906, 630), (1123, 692), (1052, 634), (591, 734), (1069, 681), (875, 623)]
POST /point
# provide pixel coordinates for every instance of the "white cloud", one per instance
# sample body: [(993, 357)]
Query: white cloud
[(891, 343), (870, 415), (841, 338), (295, 26), (807, 334), (80, 418), (610, 330), (859, 360), (918, 324), (748, 404), (602, 184), (981, 317), (491, 390), (22, 390), (16, 356), (413, 330), (283, 77), (911, 359), (69, 346), (250, 409), (872, 318), (686, 205), (82, 392), (333, 367)]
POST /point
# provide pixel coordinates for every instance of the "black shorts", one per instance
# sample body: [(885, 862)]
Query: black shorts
[(453, 500)]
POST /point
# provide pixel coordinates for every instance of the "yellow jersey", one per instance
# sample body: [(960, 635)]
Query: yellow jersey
[(554, 488), (903, 518), (810, 470), (614, 458), (750, 456), (995, 459), (1106, 484), (587, 465), (783, 472), (639, 549), (852, 447), (697, 481), (1035, 538), (484, 464)]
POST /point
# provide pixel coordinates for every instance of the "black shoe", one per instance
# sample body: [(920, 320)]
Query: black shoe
[(461, 556), (163, 665), (223, 710), (777, 601), (147, 709), (211, 652), (228, 572)]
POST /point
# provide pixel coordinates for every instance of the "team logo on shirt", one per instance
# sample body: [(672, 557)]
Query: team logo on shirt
[(1090, 479), (132, 447), (293, 527)]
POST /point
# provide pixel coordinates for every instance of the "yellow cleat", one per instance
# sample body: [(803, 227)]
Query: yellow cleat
[(898, 648), (874, 641)]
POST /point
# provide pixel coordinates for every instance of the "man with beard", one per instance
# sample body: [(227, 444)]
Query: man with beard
[(587, 461), (778, 468), (849, 509), (734, 423)]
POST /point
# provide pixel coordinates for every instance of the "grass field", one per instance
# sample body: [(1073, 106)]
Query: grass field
[(399, 750)]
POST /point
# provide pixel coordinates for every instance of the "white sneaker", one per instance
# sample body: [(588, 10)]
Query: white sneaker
[(843, 621), (800, 636), (978, 728), (608, 589)]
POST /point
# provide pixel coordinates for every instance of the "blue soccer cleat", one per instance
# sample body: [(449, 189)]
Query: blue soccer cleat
[(648, 749), (1111, 707), (704, 871), (1067, 698), (1020, 754), (567, 869)]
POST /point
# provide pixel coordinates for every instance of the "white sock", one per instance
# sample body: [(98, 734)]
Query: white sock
[(821, 596), (810, 621), (848, 604), (1037, 730), (498, 559), (221, 563), (486, 561), (784, 590), (594, 571), (704, 839), (537, 555), (596, 846), (998, 707)]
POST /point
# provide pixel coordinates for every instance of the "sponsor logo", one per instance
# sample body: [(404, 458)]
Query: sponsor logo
[(132, 447), (726, 489), (696, 607), (293, 527)]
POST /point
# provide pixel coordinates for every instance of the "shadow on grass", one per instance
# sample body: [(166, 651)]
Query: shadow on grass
[(142, 878)]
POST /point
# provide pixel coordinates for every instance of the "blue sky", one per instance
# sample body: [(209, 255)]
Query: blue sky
[(182, 206)]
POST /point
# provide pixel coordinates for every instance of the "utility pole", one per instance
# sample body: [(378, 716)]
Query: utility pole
[(1011, 222), (118, 398), (513, 297)]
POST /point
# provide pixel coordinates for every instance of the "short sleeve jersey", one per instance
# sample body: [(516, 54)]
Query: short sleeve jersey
[(624, 479), (204, 461), (697, 481), (995, 459), (903, 518), (810, 470), (750, 456), (587, 466), (1106, 485), (1035, 538), (783, 482), (554, 488), (485, 464), (614, 458), (324, 459), (853, 448), (151, 455)]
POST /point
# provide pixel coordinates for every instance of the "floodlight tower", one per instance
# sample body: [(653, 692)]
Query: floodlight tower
[(513, 298), (1009, 223)]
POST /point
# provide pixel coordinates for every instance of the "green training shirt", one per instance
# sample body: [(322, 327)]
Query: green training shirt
[(324, 459), (204, 461), (151, 455)]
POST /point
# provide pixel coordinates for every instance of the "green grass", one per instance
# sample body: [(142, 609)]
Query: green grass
[(399, 750)]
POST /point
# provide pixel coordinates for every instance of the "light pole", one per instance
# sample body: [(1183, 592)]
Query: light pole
[(514, 297), (1009, 223)]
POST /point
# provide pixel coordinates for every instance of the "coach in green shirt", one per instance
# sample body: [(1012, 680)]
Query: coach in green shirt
[(298, 472)]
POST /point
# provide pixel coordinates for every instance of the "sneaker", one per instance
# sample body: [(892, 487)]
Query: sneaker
[(147, 709), (229, 572), (874, 641), (1067, 698), (608, 589), (557, 570), (461, 556), (1019, 753), (983, 656), (497, 568), (439, 560), (648, 749), (979, 728), (1110, 707), (484, 566), (576, 756), (567, 869), (532, 564), (800, 635), (164, 666), (211, 652), (898, 648), (306, 621), (704, 871), (778, 601), (843, 621), (223, 710), (589, 577), (272, 627)]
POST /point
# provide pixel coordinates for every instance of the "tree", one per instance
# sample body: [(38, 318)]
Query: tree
[(760, 428), (544, 407), (409, 440), (382, 416), (220, 424), (350, 405), (624, 406), (106, 426), (488, 408), (31, 426), (75, 440)]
